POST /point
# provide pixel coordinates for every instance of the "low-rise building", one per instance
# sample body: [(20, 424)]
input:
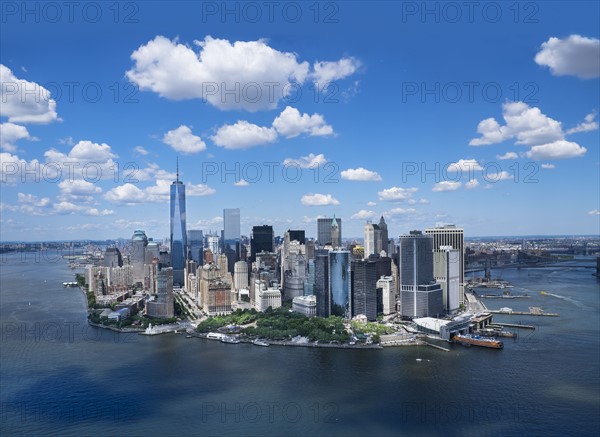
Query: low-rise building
[(306, 305)]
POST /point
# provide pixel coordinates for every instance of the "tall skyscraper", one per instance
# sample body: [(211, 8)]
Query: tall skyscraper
[(231, 236), (420, 295), (262, 240), (324, 229), (178, 236), (450, 235), (339, 284), (321, 286), (336, 234), (384, 236), (112, 258), (364, 288), (138, 248), (195, 240), (372, 240), (446, 272)]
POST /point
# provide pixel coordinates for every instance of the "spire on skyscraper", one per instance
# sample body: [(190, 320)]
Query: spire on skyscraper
[(177, 158)]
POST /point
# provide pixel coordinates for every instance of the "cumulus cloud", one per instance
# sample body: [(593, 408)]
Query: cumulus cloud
[(529, 126), (371, 203), (326, 72), (588, 124), (259, 74), (24, 101), (182, 140), (33, 200), (473, 183), (126, 194), (130, 194), (290, 123), (396, 193), (400, 211), (561, 149), (548, 166), (446, 186), (594, 212), (243, 135), (319, 200), (507, 155), (241, 183), (78, 190), (464, 166), (10, 133), (360, 174), (15, 169), (497, 177), (140, 150), (363, 214), (575, 55), (309, 161), (204, 223)]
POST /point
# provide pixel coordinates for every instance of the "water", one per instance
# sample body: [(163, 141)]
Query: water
[(60, 376)]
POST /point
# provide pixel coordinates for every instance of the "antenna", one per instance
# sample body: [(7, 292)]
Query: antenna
[(177, 158)]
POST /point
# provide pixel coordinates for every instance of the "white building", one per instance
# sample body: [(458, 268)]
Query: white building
[(306, 305), (269, 297), (387, 284), (240, 275), (446, 271)]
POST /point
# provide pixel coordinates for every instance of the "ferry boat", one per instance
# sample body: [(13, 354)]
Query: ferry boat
[(228, 339), (476, 340), (258, 342)]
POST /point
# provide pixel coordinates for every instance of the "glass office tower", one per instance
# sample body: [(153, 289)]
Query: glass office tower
[(178, 230), (339, 283)]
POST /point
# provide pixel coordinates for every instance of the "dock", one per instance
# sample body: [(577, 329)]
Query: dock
[(524, 313), (513, 325), (436, 346)]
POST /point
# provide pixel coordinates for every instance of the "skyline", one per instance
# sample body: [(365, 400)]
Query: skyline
[(408, 95)]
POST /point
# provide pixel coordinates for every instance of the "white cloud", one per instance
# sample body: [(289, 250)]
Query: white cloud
[(15, 169), (586, 126), (326, 72), (10, 133), (203, 223), (529, 126), (360, 174), (497, 177), (507, 155), (464, 165), (446, 186), (400, 211), (548, 166), (420, 201), (574, 56), (182, 140), (290, 123), (140, 150), (473, 183), (241, 183), (363, 214), (243, 135), (199, 190), (24, 101), (371, 203), (397, 193), (78, 189), (65, 207), (129, 194), (260, 74), (319, 200), (561, 149), (594, 212), (97, 212), (85, 160), (309, 161), (33, 200)]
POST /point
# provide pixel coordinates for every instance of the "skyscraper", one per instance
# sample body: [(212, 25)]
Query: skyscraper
[(195, 240), (420, 295), (384, 235), (446, 271), (324, 229), (138, 248), (178, 236), (336, 235), (262, 240), (231, 236), (321, 286), (339, 284), (364, 288), (372, 240), (450, 235)]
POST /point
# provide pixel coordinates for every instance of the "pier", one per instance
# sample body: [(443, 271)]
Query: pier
[(513, 325), (524, 313), (437, 347)]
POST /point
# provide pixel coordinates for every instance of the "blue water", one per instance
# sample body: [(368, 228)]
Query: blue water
[(60, 376)]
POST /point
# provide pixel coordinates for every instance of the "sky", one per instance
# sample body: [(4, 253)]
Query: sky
[(479, 114)]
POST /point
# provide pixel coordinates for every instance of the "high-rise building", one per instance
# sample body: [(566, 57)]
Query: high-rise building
[(372, 240), (152, 251), (324, 229), (240, 275), (450, 235), (163, 306), (420, 295), (446, 272), (231, 224), (178, 236), (384, 236), (112, 258), (297, 235), (336, 234), (195, 240), (364, 288), (213, 244), (262, 240), (295, 276), (388, 291), (138, 248), (321, 286), (339, 284)]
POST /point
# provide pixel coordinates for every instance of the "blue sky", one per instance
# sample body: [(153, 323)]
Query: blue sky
[(483, 117)]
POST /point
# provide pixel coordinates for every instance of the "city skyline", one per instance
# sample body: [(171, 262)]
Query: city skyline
[(488, 143)]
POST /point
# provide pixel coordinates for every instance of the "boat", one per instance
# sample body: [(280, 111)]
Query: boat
[(214, 336), (189, 336), (258, 342), (476, 340), (228, 339)]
